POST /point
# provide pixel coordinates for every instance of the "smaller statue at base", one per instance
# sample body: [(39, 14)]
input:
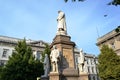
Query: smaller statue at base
[(81, 61), (55, 56), (46, 66)]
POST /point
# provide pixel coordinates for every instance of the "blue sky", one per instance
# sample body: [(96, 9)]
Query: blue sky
[(36, 20)]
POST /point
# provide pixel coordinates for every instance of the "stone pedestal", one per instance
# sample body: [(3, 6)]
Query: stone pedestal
[(70, 74), (44, 78), (67, 66), (54, 76), (66, 47), (67, 69), (83, 76)]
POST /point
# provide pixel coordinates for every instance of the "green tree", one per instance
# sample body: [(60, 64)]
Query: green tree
[(22, 65), (113, 2), (117, 29), (74, 0), (46, 51), (109, 64)]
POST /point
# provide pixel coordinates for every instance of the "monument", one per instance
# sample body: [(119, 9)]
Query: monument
[(63, 66), (62, 55)]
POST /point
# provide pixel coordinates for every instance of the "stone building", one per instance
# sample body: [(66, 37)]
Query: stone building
[(7, 45), (112, 39), (90, 65)]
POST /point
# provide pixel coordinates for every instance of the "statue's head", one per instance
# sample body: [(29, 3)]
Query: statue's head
[(81, 50), (59, 11), (45, 54), (54, 47)]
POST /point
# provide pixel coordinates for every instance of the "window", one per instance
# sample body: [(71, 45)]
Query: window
[(38, 55), (87, 60), (2, 62), (5, 51), (93, 70), (91, 61), (76, 59), (88, 69), (93, 77), (113, 45), (13, 51), (97, 70)]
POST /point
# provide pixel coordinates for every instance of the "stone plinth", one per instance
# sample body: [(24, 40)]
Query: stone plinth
[(83, 76), (62, 39), (70, 74), (44, 78), (66, 47), (61, 33), (54, 76)]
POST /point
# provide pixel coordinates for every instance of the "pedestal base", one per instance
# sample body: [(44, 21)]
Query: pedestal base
[(70, 74), (44, 78), (83, 76), (61, 33), (54, 76)]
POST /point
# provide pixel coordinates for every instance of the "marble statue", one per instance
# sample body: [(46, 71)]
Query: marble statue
[(61, 27), (55, 56), (46, 66), (81, 61)]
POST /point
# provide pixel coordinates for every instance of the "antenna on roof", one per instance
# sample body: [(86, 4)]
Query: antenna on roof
[(97, 32)]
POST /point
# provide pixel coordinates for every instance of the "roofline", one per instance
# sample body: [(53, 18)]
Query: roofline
[(13, 40), (11, 37), (106, 37)]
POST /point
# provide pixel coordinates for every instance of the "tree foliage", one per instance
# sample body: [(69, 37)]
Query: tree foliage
[(117, 29), (109, 64), (74, 0), (21, 65), (113, 2), (46, 51)]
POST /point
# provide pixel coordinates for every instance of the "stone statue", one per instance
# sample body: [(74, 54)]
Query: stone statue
[(62, 29), (46, 66), (81, 61), (55, 56)]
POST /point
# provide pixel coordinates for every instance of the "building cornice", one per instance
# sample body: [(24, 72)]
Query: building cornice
[(11, 40), (106, 37)]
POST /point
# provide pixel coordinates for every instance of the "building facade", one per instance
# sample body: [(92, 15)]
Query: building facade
[(112, 39), (90, 65), (7, 45)]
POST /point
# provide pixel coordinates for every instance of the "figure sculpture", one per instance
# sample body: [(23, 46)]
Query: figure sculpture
[(46, 66), (54, 56), (61, 22), (81, 61)]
